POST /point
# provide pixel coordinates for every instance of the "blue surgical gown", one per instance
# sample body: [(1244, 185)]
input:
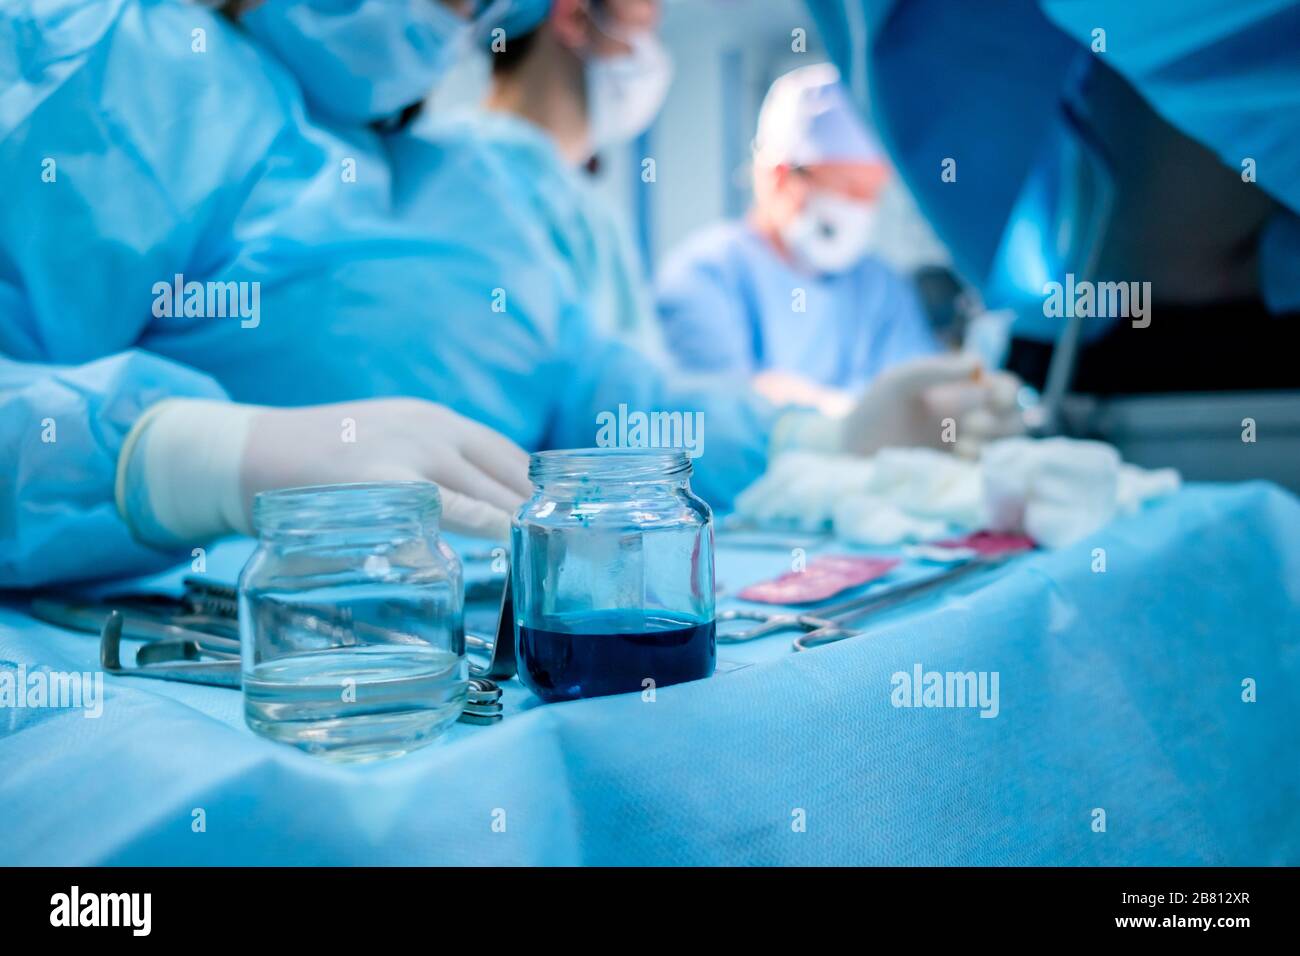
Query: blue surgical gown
[(133, 159), (729, 303), (499, 191), (949, 81)]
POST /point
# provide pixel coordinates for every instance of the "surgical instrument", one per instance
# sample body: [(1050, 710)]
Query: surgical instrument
[(825, 626), (210, 634), (219, 673), (177, 659), (209, 608), (501, 663), (482, 591), (483, 703)]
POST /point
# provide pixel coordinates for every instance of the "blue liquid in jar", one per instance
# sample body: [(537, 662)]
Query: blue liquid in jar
[(613, 652)]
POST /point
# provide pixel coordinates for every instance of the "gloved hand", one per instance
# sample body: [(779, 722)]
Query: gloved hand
[(909, 404), (189, 469), (483, 475)]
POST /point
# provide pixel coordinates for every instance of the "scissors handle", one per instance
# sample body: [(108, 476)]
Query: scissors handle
[(223, 673), (827, 626), (768, 624), (879, 600)]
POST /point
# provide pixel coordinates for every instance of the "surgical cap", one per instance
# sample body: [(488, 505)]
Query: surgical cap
[(807, 118), (516, 17)]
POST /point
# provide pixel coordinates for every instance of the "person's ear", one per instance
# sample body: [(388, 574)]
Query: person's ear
[(570, 22)]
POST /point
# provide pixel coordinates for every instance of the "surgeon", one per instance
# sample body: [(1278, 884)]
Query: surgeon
[(1061, 144), (792, 292), (586, 79), (169, 172)]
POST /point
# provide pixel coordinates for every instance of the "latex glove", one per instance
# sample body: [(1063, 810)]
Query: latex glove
[(188, 470), (483, 476), (907, 405)]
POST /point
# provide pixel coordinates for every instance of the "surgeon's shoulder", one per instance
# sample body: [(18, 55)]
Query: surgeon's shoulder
[(451, 146), (142, 49), (49, 31), (511, 153), (37, 34), (447, 175), (719, 250), (190, 43), (877, 271), (490, 180)]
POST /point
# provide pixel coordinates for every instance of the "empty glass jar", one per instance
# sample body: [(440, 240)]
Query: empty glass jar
[(612, 574), (350, 620)]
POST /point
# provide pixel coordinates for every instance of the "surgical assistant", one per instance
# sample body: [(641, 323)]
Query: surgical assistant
[(139, 260), (793, 288), (359, 284), (534, 107)]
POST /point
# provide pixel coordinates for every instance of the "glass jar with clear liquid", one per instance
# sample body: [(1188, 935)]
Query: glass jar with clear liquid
[(612, 574), (350, 619)]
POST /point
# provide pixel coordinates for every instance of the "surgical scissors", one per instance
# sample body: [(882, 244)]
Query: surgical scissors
[(178, 633), (184, 666), (177, 659), (826, 625), (501, 663), (213, 635)]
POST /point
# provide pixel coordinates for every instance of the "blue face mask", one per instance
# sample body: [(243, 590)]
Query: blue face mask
[(361, 60)]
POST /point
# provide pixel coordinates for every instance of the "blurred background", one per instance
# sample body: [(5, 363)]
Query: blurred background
[(726, 54)]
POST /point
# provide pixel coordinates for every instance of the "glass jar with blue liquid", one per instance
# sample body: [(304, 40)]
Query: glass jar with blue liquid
[(350, 619), (612, 574)]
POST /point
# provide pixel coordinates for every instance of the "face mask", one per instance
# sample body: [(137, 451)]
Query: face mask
[(624, 93), (830, 234), (361, 60)]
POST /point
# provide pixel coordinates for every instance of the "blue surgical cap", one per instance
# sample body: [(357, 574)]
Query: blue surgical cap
[(516, 17)]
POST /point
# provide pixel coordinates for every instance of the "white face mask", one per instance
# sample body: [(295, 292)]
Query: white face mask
[(624, 93), (830, 234)]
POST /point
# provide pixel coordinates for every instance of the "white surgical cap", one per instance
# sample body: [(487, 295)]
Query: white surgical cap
[(807, 118)]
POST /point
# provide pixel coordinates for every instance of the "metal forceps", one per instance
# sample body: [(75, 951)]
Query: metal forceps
[(160, 626), (194, 639), (826, 625), (172, 658), (177, 659), (501, 649), (769, 624)]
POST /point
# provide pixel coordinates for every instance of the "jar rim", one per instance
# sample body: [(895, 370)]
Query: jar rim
[(308, 508), (609, 464)]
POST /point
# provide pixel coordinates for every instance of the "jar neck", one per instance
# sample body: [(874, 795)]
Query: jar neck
[(398, 509), (609, 491), (609, 472)]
